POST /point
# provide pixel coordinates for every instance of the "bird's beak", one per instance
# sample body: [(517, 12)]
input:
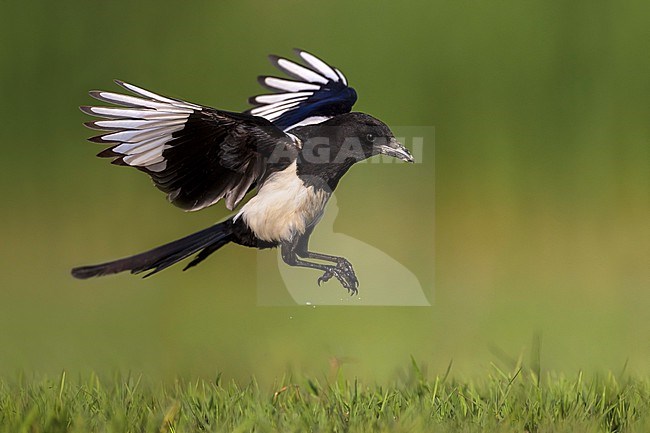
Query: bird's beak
[(397, 150)]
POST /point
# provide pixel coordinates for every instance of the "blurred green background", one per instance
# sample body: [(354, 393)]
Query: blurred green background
[(542, 120)]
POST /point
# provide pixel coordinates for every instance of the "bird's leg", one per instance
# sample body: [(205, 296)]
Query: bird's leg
[(347, 279)]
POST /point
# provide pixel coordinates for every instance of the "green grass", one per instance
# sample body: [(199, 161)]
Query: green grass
[(501, 402)]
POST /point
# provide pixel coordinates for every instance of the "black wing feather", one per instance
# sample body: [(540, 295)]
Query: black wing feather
[(197, 155)]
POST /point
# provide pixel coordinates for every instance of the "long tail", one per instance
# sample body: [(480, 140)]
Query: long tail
[(205, 242)]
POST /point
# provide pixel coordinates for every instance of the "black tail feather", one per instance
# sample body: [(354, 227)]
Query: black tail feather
[(205, 242), (205, 252)]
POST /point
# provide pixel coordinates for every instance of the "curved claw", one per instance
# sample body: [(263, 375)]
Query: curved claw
[(324, 278), (352, 285)]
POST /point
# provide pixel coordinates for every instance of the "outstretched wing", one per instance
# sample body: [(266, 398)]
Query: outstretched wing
[(318, 92), (196, 154)]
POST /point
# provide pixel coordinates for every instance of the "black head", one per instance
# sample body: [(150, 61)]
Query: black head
[(349, 138)]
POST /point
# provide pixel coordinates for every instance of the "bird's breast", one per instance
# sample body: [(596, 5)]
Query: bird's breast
[(284, 207)]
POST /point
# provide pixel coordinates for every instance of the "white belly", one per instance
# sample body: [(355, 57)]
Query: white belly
[(283, 207)]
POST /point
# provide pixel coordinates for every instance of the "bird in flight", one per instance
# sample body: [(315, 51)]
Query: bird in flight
[(292, 147)]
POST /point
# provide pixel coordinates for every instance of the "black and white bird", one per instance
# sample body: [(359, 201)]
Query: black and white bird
[(293, 147)]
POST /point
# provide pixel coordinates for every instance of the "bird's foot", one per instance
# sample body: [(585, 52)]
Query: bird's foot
[(345, 274)]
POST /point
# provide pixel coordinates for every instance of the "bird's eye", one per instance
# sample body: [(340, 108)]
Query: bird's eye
[(370, 138)]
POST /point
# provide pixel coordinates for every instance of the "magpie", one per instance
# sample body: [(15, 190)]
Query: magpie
[(292, 148)]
